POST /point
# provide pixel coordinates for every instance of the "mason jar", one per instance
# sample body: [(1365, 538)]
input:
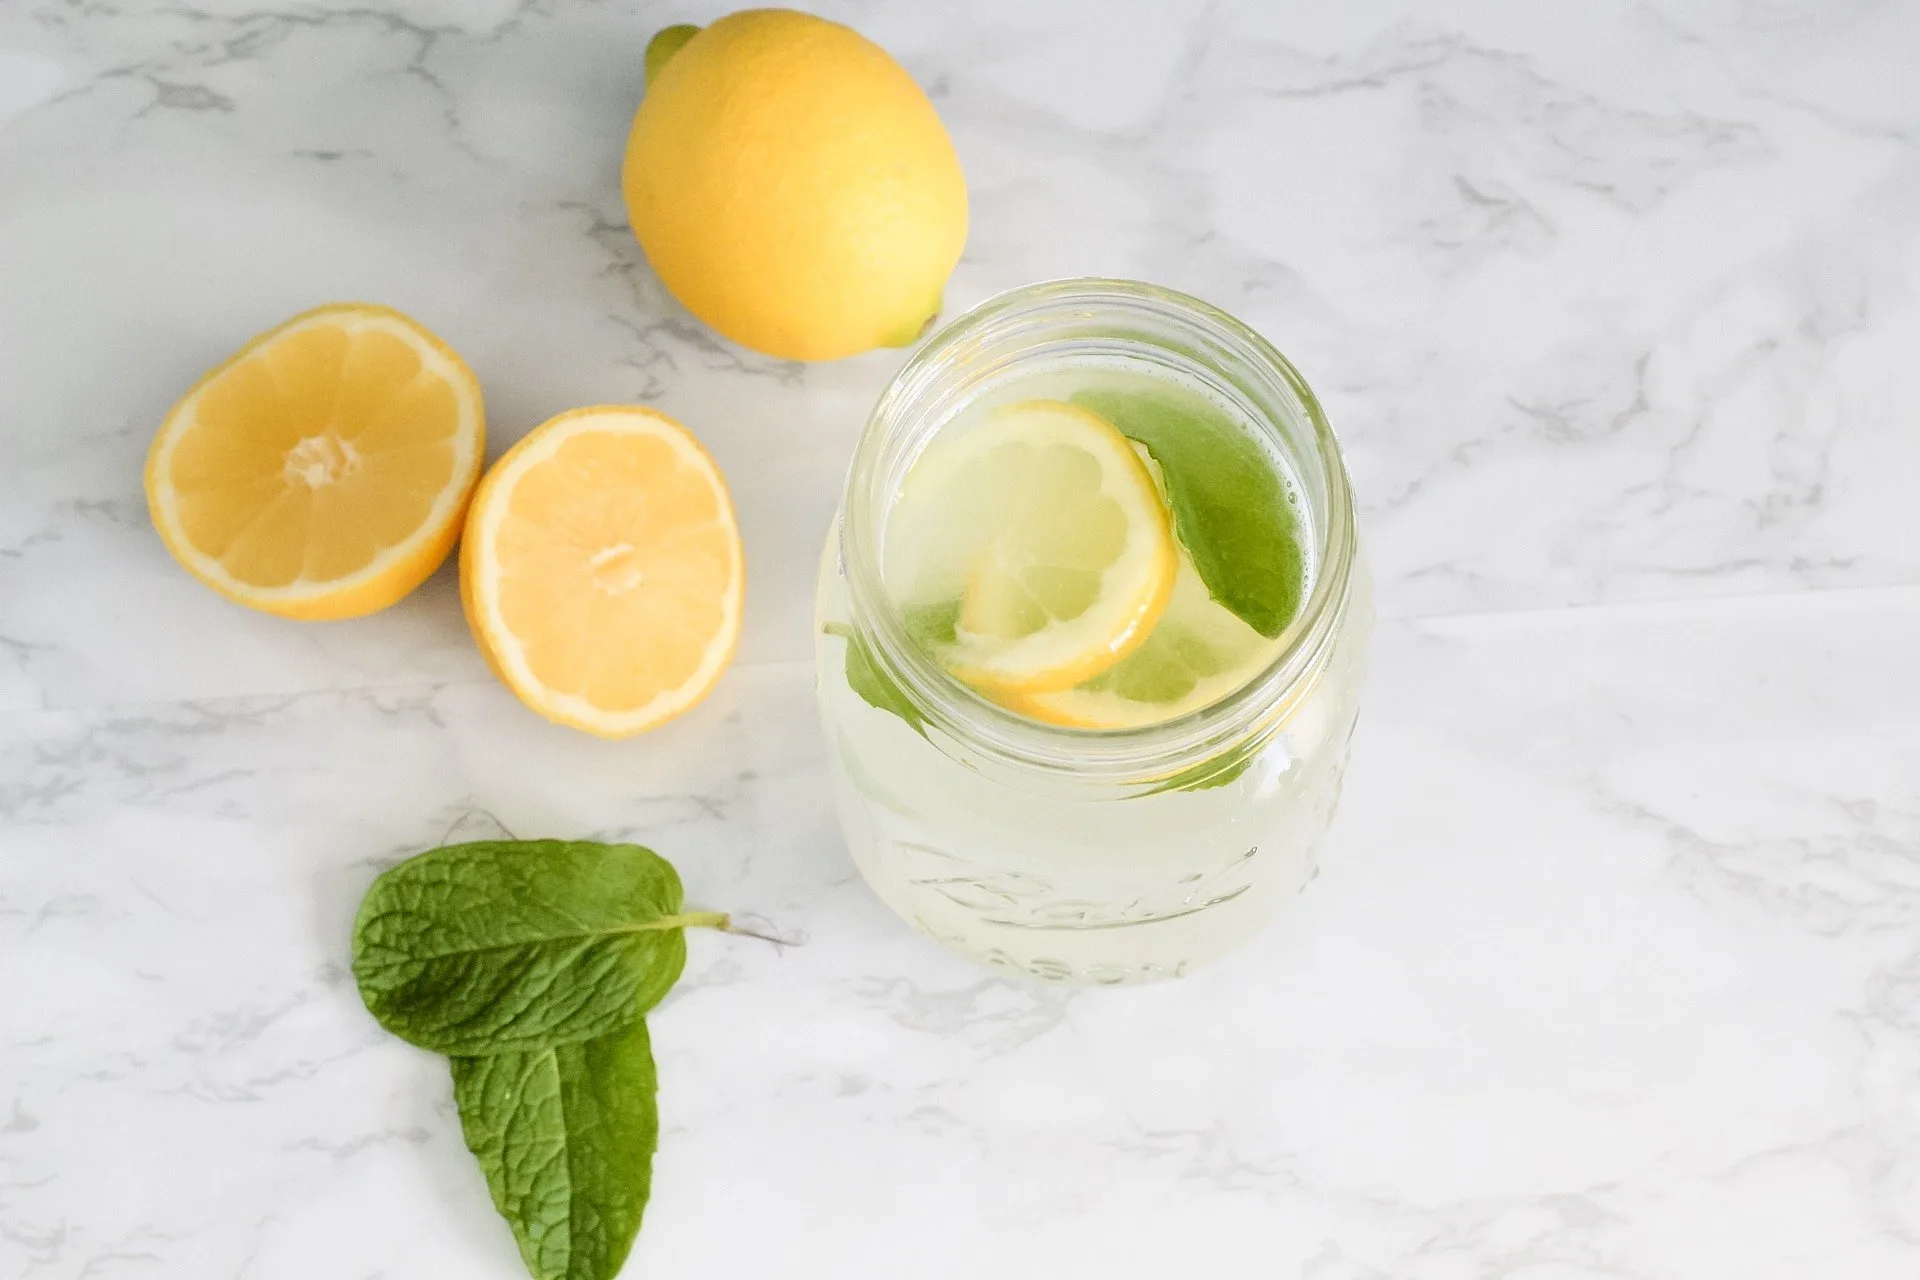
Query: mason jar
[(1075, 855)]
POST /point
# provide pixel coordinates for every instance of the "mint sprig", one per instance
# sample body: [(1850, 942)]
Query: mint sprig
[(1230, 508), (566, 1137), (870, 681), (532, 965), (520, 944)]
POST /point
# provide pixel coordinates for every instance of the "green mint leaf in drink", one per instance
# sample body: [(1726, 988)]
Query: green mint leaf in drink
[(871, 682), (1229, 504), (933, 627), (1197, 640), (565, 1136), (519, 945), (1204, 776)]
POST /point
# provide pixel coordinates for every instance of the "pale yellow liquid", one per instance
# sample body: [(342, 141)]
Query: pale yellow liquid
[(1078, 887)]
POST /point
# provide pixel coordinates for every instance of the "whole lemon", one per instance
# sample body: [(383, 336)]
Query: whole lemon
[(793, 186)]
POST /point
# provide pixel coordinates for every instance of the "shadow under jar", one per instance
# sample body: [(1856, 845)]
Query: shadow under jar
[(1076, 855)]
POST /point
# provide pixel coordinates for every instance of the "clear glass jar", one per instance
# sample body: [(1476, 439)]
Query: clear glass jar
[(1073, 855)]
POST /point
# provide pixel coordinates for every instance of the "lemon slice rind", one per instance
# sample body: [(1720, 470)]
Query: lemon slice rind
[(1135, 584)]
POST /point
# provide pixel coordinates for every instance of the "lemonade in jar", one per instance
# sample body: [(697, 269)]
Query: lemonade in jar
[(1091, 626)]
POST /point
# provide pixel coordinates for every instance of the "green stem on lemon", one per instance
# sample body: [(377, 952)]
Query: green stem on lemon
[(665, 43)]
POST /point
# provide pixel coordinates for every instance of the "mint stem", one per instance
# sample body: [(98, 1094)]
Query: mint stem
[(697, 920), (718, 920), (739, 932)]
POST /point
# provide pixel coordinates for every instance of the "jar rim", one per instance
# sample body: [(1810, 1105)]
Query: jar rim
[(924, 395)]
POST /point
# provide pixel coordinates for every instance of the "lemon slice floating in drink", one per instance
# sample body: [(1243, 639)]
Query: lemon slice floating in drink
[(1199, 653), (1032, 551)]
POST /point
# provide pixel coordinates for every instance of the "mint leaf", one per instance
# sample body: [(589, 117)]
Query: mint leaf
[(933, 626), (1230, 508), (1194, 641), (1204, 776), (870, 681), (566, 1136), (517, 945)]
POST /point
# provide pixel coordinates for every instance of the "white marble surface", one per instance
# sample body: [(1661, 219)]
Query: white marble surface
[(1614, 970)]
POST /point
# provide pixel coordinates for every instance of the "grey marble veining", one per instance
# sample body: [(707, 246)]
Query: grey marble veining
[(1614, 969)]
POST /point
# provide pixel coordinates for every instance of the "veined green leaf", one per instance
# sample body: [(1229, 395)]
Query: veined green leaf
[(565, 1136), (1203, 777), (870, 681), (510, 945), (1230, 507)]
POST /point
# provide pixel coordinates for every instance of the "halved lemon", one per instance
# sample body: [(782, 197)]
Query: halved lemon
[(1046, 526), (1199, 653), (322, 471), (602, 570)]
